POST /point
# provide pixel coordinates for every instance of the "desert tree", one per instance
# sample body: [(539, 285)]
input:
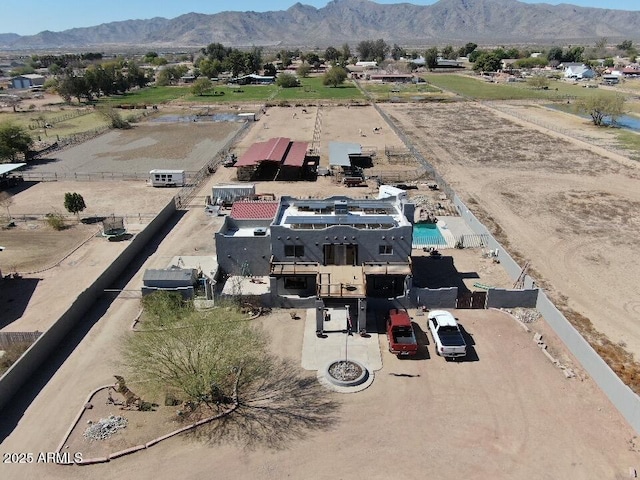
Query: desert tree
[(601, 106), (538, 82), (13, 140), (217, 362), (195, 356), (287, 80), (303, 70), (201, 86), (334, 76), (74, 203), (431, 58)]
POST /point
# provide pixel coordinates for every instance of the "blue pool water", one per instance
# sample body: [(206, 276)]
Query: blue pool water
[(427, 234), (623, 121)]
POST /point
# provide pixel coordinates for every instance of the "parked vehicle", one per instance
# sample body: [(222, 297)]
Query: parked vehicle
[(402, 338), (167, 178), (230, 160), (446, 334)]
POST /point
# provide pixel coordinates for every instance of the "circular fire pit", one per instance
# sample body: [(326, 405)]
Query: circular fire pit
[(346, 373)]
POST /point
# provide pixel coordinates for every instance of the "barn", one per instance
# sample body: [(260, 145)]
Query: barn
[(277, 159)]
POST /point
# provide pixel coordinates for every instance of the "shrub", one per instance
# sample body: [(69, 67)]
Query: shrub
[(55, 221), (287, 80)]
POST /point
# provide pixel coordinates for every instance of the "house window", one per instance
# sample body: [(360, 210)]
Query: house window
[(295, 283), (385, 250), (294, 250)]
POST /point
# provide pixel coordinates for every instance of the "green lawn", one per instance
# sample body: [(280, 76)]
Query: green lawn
[(235, 93), (476, 88), (409, 91), (147, 96), (311, 88)]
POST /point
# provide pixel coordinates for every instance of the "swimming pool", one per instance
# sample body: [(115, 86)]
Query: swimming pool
[(425, 234)]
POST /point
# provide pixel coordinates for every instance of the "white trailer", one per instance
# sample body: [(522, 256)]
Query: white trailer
[(229, 193), (167, 178)]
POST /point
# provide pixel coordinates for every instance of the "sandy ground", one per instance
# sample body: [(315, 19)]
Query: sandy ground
[(511, 414), (179, 145), (480, 419), (561, 204)]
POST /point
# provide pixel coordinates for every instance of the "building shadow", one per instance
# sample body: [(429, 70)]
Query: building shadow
[(439, 272), (15, 295), (21, 187)]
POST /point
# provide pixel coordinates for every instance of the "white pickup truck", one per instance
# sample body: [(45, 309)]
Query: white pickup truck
[(446, 334)]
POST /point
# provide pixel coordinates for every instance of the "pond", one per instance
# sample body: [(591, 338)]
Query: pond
[(623, 121)]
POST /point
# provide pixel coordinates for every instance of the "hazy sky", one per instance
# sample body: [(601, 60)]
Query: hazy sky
[(27, 17)]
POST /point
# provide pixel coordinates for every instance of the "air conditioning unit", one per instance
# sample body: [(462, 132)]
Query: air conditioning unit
[(259, 232)]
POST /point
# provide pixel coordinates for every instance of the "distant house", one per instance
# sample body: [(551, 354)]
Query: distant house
[(577, 71), (631, 71), (31, 80), (392, 77), (254, 79), (507, 63), (440, 62), (367, 64), (448, 63)]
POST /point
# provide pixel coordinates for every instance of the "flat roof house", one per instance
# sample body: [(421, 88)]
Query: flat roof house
[(337, 250)]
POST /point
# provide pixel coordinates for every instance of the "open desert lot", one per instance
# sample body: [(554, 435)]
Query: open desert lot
[(569, 210), (148, 145), (506, 413)]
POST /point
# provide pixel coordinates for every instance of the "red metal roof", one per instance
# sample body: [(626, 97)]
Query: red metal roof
[(272, 150), (254, 210), (296, 155)]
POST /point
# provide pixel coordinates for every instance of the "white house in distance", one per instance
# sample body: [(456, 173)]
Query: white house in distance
[(577, 71)]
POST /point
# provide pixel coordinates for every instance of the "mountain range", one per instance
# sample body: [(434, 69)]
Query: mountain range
[(340, 21)]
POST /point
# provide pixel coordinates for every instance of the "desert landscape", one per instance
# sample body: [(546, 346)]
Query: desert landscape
[(539, 192)]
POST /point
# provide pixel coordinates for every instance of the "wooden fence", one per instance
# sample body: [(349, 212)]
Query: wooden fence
[(9, 338)]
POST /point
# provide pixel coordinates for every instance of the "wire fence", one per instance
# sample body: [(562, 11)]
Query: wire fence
[(188, 192), (40, 123)]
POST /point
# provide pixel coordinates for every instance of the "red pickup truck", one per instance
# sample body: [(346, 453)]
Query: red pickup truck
[(402, 338)]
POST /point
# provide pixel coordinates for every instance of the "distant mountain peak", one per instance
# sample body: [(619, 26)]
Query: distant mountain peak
[(339, 21)]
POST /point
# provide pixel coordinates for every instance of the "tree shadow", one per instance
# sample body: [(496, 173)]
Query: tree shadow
[(274, 411)]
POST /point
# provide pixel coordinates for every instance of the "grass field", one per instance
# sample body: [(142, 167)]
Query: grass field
[(147, 96), (311, 88), (411, 91), (63, 123)]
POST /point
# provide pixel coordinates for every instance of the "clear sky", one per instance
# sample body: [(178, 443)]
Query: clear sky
[(28, 17)]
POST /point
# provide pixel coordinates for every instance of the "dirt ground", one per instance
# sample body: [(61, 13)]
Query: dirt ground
[(559, 203), (508, 414), (180, 145)]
